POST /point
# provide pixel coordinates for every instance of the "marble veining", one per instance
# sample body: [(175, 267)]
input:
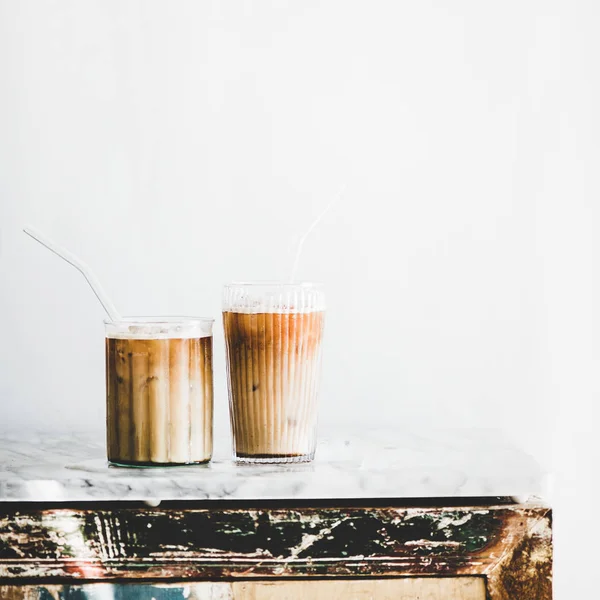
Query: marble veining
[(54, 467)]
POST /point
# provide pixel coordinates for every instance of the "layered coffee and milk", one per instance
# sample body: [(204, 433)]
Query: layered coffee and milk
[(159, 386), (274, 350)]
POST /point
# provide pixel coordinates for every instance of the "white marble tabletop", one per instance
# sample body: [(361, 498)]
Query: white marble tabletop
[(42, 467)]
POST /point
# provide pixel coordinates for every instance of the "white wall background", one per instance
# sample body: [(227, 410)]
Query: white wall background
[(178, 145)]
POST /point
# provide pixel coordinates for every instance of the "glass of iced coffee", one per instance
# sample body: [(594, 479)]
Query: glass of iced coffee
[(159, 391), (273, 337)]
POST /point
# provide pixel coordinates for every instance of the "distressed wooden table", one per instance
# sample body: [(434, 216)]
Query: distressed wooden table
[(380, 515)]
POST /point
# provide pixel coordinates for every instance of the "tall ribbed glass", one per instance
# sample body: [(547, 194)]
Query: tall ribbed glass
[(273, 337), (159, 391)]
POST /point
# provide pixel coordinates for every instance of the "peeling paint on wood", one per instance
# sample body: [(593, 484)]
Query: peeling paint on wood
[(457, 588), (509, 544), (525, 570)]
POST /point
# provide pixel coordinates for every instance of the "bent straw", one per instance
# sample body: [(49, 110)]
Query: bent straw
[(308, 231), (93, 282)]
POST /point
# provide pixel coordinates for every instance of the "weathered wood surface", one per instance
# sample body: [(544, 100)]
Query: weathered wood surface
[(416, 588), (509, 544), (525, 569)]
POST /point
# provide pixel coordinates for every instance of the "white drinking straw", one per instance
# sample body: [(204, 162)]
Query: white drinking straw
[(108, 306), (308, 231)]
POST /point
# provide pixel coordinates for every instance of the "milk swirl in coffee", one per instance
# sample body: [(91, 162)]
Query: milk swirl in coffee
[(159, 392), (274, 351)]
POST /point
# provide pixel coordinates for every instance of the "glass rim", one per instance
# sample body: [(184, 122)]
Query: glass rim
[(266, 283), (164, 320)]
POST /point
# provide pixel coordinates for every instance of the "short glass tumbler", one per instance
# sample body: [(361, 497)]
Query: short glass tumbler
[(159, 391), (273, 338)]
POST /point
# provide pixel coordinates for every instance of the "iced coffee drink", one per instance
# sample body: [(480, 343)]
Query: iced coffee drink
[(159, 391), (273, 336)]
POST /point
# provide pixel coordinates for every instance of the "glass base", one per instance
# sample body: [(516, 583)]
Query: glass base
[(146, 465), (274, 459)]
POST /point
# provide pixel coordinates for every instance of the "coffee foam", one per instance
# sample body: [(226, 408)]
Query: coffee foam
[(273, 298), (276, 310), (157, 331), (251, 306)]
